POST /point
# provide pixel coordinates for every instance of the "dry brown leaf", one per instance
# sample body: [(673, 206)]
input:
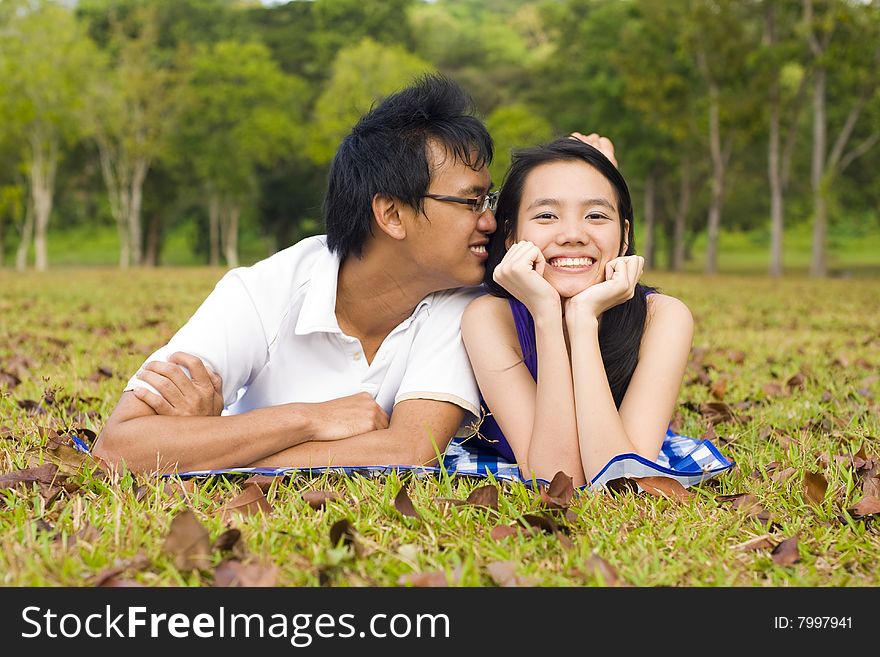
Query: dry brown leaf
[(558, 495), (318, 499), (500, 532), (736, 356), (188, 542), (46, 474), (343, 532), (621, 485), (251, 500), (433, 579), (110, 577), (868, 506), (815, 486), (871, 487), (404, 504), (665, 487), (484, 496), (783, 475), (597, 567), (503, 573), (773, 389), (263, 481), (227, 540), (796, 382), (758, 543), (235, 573), (786, 553), (719, 388)]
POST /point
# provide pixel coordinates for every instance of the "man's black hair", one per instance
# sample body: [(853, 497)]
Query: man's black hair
[(387, 153)]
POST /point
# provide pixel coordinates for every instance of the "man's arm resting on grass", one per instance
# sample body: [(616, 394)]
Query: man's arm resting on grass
[(147, 442), (418, 431)]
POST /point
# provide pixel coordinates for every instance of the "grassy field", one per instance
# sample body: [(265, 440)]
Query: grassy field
[(783, 379)]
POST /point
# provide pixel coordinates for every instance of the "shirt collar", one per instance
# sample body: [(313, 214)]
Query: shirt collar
[(318, 313)]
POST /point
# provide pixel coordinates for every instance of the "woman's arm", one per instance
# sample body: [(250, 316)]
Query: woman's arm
[(537, 418), (640, 424)]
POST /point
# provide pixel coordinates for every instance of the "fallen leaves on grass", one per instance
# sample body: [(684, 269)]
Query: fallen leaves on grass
[(758, 543), (235, 573), (815, 486), (227, 540), (665, 487), (318, 499), (868, 506), (559, 493), (786, 553), (263, 481), (434, 579), (45, 474), (484, 496), (596, 567), (748, 504), (188, 542), (112, 577), (500, 532), (404, 504), (342, 532), (250, 501), (503, 573)]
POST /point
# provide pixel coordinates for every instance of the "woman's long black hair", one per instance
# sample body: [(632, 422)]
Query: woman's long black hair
[(622, 326)]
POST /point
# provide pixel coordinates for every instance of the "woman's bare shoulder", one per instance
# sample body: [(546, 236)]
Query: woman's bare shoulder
[(666, 309)]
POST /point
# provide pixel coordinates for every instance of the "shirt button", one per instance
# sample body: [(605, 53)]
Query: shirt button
[(356, 357)]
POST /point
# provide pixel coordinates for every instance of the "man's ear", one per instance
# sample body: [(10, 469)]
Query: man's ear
[(387, 213)]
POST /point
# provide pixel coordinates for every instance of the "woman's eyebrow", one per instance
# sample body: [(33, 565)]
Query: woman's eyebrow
[(605, 203)]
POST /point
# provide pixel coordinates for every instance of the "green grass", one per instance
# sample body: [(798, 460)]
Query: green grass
[(69, 323)]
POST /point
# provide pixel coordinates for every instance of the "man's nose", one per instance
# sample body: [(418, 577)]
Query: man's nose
[(486, 222)]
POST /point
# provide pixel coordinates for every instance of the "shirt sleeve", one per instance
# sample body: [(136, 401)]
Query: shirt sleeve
[(438, 366), (226, 333)]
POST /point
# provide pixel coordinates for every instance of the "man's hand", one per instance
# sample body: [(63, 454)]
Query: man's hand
[(345, 417), (178, 395), (602, 144)]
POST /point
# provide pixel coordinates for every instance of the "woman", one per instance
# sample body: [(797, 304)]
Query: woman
[(577, 362)]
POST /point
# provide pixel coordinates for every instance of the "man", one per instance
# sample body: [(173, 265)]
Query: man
[(342, 349)]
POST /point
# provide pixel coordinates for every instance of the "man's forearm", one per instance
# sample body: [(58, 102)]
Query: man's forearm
[(382, 447), (173, 443)]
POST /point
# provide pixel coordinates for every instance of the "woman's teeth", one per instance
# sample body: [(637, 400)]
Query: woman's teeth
[(480, 249), (571, 262)]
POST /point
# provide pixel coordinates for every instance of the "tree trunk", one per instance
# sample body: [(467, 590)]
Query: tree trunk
[(714, 221), (214, 230), (648, 251), (42, 172), (153, 241), (136, 194), (818, 263), (27, 237), (774, 174), (230, 246), (684, 201)]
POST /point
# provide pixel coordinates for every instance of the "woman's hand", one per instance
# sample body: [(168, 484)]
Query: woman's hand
[(178, 394), (521, 273), (621, 276)]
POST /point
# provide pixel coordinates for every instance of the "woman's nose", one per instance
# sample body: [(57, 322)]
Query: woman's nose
[(573, 232)]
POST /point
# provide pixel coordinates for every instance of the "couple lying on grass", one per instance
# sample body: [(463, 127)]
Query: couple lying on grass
[(377, 342)]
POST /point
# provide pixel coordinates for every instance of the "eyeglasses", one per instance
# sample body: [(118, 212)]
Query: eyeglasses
[(478, 205)]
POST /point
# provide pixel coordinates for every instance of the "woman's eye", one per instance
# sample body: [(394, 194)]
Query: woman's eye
[(596, 216), (545, 216)]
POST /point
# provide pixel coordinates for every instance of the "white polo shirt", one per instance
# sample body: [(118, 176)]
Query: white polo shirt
[(270, 331)]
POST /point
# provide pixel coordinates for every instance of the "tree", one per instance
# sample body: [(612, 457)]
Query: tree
[(361, 75), (132, 110), (240, 112), (853, 69), (513, 127), (46, 62)]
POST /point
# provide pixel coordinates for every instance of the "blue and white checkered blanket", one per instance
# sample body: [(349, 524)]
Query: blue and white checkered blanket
[(688, 460)]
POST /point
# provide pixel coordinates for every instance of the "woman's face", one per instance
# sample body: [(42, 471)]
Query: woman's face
[(569, 211)]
